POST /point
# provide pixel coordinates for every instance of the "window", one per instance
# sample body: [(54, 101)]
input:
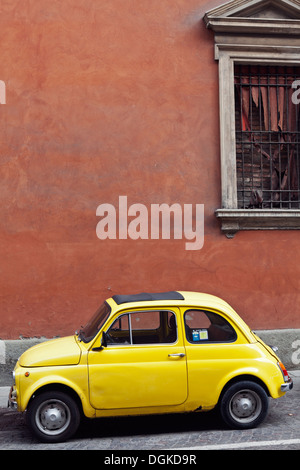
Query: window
[(267, 137), (202, 326), (259, 125), (89, 331), (149, 327), (119, 331)]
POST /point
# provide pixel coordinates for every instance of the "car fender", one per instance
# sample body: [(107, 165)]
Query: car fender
[(266, 373), (61, 381)]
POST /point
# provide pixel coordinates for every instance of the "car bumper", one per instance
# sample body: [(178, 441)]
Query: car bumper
[(287, 386), (12, 399)]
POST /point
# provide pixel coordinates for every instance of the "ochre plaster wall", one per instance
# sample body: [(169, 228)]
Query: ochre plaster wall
[(110, 98)]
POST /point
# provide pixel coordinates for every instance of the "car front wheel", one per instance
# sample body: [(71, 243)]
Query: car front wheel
[(244, 405), (53, 416)]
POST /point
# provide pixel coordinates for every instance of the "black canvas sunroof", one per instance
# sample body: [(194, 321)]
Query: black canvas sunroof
[(123, 299)]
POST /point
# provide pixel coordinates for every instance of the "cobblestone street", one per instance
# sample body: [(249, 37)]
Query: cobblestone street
[(280, 430)]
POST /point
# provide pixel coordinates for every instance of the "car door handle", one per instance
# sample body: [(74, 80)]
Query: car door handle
[(176, 355)]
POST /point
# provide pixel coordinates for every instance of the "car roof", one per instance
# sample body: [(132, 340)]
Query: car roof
[(179, 298), (175, 297)]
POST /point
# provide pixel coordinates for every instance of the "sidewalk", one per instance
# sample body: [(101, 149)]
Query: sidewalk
[(4, 391)]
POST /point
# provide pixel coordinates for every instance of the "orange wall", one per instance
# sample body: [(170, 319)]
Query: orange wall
[(109, 98)]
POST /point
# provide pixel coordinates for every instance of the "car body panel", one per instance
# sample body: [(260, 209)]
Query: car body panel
[(56, 352), (139, 377)]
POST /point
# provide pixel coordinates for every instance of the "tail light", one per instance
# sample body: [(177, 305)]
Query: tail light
[(285, 374)]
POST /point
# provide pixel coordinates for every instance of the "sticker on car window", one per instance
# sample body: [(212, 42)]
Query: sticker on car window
[(200, 335)]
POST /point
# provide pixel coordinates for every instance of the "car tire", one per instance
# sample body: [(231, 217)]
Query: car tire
[(244, 405), (53, 416)]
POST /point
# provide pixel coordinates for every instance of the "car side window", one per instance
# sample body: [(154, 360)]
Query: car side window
[(204, 326), (146, 327), (119, 332)]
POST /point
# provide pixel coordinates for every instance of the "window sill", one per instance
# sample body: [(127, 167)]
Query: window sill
[(234, 220)]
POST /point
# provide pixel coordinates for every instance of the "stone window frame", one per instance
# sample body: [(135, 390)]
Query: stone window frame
[(248, 41)]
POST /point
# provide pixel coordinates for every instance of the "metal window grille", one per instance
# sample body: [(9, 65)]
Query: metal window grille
[(267, 137)]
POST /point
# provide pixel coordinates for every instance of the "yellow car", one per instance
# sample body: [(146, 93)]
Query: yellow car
[(147, 354)]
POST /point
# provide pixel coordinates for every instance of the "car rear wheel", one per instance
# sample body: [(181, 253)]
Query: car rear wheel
[(53, 416), (244, 405)]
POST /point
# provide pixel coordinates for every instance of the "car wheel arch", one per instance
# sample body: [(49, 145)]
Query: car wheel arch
[(57, 387), (241, 378)]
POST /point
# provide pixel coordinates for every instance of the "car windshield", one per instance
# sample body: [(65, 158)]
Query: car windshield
[(87, 333)]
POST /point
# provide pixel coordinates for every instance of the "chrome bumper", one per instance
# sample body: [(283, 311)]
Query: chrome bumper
[(12, 399), (287, 386)]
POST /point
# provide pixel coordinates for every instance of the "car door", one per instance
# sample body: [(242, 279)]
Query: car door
[(143, 363)]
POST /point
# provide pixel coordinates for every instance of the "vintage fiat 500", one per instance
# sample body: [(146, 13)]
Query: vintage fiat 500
[(148, 354)]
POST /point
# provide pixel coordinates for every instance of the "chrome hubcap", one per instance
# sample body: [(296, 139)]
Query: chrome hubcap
[(53, 417), (245, 406)]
